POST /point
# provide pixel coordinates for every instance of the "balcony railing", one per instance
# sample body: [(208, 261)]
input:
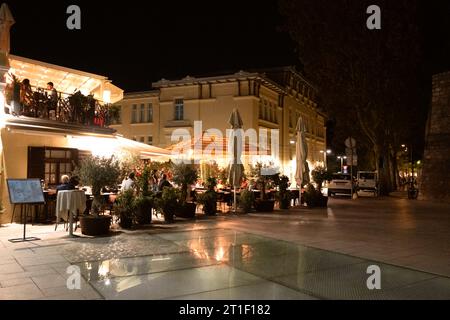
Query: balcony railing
[(68, 108)]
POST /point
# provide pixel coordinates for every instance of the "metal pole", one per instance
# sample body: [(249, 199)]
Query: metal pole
[(412, 168), (70, 223), (235, 202), (24, 220), (351, 172)]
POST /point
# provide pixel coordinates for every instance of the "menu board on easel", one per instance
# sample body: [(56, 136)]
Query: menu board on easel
[(25, 191)]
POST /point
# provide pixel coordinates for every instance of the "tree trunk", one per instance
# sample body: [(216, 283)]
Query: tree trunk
[(383, 168), (395, 175)]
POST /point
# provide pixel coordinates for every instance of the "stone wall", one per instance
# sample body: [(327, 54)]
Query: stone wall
[(436, 165)]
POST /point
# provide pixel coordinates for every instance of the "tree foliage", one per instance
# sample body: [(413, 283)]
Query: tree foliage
[(367, 79)]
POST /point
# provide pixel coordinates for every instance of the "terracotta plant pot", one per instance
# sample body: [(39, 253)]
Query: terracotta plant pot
[(95, 226)]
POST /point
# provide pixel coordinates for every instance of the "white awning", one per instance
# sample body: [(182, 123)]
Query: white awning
[(66, 80)]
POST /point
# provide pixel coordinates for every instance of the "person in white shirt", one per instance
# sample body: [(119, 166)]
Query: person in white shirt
[(128, 183)]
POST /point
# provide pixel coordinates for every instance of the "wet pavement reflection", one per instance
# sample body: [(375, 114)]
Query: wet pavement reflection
[(226, 264)]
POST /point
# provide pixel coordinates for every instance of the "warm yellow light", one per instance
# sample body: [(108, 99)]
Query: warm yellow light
[(107, 96), (220, 253), (103, 269), (100, 147)]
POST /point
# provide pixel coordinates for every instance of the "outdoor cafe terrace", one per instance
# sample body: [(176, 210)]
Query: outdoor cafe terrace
[(69, 108), (82, 98)]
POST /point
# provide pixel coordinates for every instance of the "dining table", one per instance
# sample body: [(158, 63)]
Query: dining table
[(70, 202)]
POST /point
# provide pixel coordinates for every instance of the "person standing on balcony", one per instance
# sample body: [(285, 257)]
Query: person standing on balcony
[(26, 96), (52, 102)]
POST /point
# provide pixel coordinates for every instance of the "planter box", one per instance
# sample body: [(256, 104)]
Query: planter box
[(126, 223), (144, 215), (264, 205), (92, 226), (285, 204), (187, 211), (321, 202)]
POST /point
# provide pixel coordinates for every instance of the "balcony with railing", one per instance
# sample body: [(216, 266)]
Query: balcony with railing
[(73, 110), (81, 100)]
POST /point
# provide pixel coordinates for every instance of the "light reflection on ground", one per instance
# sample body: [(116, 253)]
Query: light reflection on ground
[(225, 264)]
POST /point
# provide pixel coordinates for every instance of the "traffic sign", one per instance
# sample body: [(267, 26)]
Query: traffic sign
[(349, 151), (350, 143)]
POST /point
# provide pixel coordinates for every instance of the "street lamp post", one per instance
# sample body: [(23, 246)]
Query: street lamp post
[(342, 162), (325, 153), (412, 191)]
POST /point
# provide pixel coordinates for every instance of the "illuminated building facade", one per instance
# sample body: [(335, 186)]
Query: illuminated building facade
[(271, 99)]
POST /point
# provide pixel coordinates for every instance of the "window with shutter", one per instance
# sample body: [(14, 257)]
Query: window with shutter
[(36, 165)]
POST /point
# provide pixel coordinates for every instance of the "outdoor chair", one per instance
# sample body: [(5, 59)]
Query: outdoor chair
[(66, 222)]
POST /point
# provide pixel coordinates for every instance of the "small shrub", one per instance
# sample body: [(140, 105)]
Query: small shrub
[(246, 200)]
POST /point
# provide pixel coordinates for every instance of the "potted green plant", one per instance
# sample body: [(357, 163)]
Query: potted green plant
[(311, 196), (209, 198), (124, 208), (98, 173), (168, 203), (185, 175), (283, 194), (79, 104), (113, 114), (144, 199), (208, 169), (246, 200), (263, 176), (314, 196)]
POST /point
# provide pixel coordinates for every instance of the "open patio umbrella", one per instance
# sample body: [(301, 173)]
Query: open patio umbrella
[(236, 169), (301, 152)]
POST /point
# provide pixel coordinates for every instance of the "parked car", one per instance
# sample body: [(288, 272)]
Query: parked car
[(341, 184), (368, 181)]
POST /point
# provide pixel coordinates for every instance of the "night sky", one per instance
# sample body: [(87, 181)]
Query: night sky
[(137, 42)]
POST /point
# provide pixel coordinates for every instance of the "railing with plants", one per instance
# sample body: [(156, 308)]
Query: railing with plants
[(73, 108)]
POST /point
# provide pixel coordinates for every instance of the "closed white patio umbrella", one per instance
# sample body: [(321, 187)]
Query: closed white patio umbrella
[(235, 145), (301, 153)]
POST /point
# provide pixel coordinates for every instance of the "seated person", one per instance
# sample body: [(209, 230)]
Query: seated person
[(65, 184), (164, 183), (26, 96), (128, 183), (74, 181), (52, 98)]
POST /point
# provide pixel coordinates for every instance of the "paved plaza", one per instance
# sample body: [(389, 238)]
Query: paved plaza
[(299, 254)]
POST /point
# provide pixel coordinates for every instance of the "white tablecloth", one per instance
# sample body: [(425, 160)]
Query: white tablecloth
[(71, 200)]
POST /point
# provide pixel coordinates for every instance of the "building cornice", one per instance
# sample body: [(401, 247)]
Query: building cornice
[(140, 94)]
